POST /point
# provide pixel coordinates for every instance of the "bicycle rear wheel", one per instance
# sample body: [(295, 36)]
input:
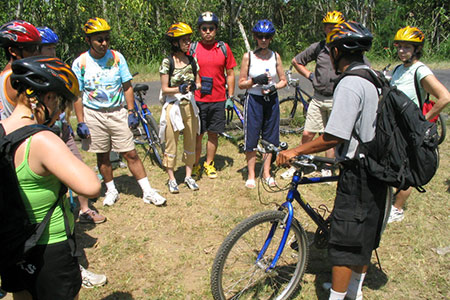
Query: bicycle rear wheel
[(155, 143), (441, 128), (290, 120), (237, 275)]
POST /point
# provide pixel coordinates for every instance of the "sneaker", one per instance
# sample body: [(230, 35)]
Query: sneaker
[(326, 173), (90, 280), (153, 197), (288, 174), (396, 215), (110, 198), (190, 182), (173, 186), (91, 216), (197, 172), (210, 170)]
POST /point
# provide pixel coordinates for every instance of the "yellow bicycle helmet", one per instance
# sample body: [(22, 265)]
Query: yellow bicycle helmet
[(333, 17), (409, 34), (95, 25), (178, 29)]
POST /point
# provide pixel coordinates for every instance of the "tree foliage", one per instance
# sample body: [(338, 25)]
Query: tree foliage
[(139, 25)]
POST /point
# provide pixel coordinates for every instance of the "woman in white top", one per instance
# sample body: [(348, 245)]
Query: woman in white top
[(409, 42), (262, 75)]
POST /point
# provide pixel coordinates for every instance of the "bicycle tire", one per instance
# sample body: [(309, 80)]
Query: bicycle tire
[(290, 120), (156, 145), (441, 128), (387, 208), (237, 256)]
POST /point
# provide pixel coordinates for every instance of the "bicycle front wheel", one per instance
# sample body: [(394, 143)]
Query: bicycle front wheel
[(155, 143), (237, 275), (441, 128)]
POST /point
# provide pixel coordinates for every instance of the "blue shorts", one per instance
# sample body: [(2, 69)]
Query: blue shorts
[(261, 118)]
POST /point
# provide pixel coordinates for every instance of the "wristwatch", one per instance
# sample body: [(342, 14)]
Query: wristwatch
[(132, 111)]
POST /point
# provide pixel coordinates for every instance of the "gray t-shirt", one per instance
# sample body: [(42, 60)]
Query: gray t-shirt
[(324, 73), (355, 103)]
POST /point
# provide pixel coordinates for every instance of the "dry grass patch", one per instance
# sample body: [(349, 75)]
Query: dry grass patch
[(151, 252)]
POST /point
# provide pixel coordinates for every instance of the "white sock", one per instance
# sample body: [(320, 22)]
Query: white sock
[(354, 291), (145, 185), (110, 186), (336, 295)]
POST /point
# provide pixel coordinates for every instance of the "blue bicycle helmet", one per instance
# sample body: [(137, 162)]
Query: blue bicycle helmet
[(264, 26), (207, 17), (48, 36)]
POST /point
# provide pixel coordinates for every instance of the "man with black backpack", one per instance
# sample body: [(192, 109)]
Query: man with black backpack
[(216, 62), (357, 215)]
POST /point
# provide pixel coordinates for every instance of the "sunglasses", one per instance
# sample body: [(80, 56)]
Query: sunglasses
[(263, 36), (206, 28), (101, 39)]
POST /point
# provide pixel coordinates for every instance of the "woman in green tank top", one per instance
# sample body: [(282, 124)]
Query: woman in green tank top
[(46, 86)]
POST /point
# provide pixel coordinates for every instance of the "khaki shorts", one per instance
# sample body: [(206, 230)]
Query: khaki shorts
[(109, 131), (318, 115)]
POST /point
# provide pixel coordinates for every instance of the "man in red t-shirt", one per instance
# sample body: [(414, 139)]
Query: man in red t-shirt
[(216, 62)]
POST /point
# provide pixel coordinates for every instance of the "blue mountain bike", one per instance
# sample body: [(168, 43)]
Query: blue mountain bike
[(147, 134), (265, 256)]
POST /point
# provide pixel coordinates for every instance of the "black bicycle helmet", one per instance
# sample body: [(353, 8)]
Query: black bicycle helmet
[(350, 37), (44, 74), (208, 17)]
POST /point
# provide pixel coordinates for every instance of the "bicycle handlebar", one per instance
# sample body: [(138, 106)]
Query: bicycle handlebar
[(268, 147), (314, 158)]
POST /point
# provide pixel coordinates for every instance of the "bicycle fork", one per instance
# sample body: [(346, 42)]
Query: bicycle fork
[(288, 221)]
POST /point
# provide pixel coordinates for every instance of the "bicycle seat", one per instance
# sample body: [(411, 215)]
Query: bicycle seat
[(140, 87)]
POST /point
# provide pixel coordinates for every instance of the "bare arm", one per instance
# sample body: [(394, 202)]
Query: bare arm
[(49, 155), (78, 107), (244, 83), (230, 82), (128, 93), (434, 87), (166, 90), (301, 69), (280, 72), (324, 142)]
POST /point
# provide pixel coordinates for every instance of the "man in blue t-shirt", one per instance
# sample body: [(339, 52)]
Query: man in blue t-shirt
[(105, 83)]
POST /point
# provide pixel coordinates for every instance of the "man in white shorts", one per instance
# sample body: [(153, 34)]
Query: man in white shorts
[(322, 80), (105, 83)]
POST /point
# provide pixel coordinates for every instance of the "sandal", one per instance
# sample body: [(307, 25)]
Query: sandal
[(250, 184), (270, 181)]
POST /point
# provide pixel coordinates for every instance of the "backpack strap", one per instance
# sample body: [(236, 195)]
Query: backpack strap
[(172, 66), (416, 86), (192, 48), (319, 48), (221, 45)]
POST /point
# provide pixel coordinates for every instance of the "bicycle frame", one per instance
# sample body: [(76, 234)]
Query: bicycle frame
[(294, 194), (143, 112)]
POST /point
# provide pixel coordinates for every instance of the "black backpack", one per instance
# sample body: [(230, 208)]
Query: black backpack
[(404, 151), (220, 44), (17, 234)]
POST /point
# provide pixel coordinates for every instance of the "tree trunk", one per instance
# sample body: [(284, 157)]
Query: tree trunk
[(244, 36)]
